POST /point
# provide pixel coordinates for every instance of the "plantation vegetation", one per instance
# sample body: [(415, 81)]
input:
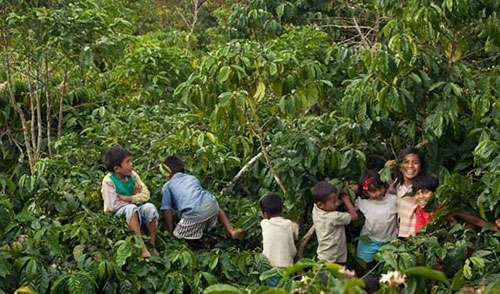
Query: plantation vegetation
[(255, 96)]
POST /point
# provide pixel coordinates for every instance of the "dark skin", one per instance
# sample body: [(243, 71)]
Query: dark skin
[(472, 220)]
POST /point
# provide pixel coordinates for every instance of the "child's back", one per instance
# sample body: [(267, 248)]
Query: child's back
[(278, 238), (197, 208), (184, 193), (278, 234)]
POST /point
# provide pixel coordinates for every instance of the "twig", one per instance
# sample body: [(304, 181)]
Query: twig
[(268, 159), (243, 170), (371, 270), (363, 38)]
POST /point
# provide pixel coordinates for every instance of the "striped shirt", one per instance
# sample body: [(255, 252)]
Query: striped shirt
[(406, 211)]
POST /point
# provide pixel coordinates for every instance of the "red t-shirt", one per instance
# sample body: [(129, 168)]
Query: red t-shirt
[(423, 217)]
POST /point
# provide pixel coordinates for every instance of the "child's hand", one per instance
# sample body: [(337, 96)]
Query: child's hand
[(137, 189), (390, 163), (345, 197), (125, 198)]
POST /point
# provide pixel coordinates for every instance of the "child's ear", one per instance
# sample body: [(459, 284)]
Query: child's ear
[(116, 168), (320, 205)]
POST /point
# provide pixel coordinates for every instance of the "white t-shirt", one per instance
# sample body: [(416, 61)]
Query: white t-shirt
[(381, 222), (330, 231), (278, 238)]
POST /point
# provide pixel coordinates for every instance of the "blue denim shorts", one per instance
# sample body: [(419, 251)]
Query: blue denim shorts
[(146, 212)]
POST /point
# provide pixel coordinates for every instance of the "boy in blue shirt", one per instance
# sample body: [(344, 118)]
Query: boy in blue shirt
[(123, 192), (197, 208)]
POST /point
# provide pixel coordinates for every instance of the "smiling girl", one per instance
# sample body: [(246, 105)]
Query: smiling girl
[(410, 163)]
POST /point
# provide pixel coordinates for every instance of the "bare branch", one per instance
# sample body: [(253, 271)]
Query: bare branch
[(260, 135), (363, 38), (38, 116), (303, 242), (242, 171), (62, 92), (12, 98), (47, 101)]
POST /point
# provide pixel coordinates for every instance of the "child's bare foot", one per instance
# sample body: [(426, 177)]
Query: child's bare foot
[(145, 253), (155, 252), (238, 234)]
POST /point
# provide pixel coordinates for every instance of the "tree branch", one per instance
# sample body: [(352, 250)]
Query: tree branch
[(242, 171), (303, 242), (363, 38), (12, 98)]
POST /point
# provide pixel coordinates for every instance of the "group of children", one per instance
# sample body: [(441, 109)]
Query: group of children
[(124, 193), (390, 211)]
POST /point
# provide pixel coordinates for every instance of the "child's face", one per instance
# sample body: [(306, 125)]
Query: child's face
[(331, 203), (376, 195), (411, 166), (125, 169), (423, 196)]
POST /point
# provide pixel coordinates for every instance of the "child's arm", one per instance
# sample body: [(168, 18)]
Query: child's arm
[(141, 192), (167, 215), (473, 220), (350, 208), (167, 208), (109, 195), (295, 229)]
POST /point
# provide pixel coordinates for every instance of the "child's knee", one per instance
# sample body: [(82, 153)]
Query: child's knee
[(149, 212)]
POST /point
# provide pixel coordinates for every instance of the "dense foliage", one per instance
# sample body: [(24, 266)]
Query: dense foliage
[(281, 93)]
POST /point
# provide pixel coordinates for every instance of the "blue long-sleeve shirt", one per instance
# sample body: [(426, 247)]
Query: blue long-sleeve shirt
[(184, 194)]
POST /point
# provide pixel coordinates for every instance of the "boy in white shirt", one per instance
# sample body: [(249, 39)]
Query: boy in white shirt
[(278, 234)]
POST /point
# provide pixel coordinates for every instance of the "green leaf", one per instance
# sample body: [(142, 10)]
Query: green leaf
[(292, 269), (260, 91), (346, 159), (268, 274), (458, 280), (436, 85), (352, 284), (428, 273), (385, 174), (78, 251), (222, 289), (224, 74), (209, 277), (275, 291), (415, 78)]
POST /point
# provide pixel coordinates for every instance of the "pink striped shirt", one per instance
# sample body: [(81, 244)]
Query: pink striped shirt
[(406, 211)]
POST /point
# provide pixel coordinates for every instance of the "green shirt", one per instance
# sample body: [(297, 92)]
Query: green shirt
[(123, 188)]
